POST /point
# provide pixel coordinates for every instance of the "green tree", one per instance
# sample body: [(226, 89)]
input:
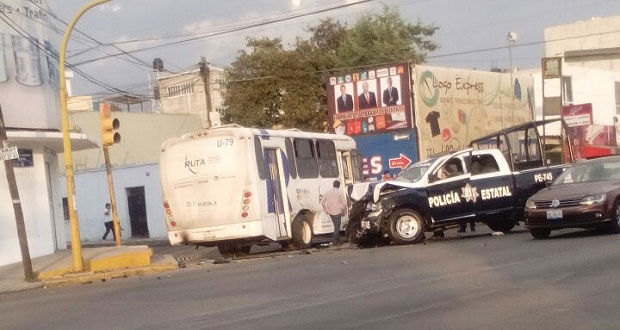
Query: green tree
[(253, 94), (269, 85), (385, 38)]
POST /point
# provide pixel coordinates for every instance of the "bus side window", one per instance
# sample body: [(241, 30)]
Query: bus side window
[(260, 161), (290, 155), (357, 166), (328, 165), (305, 158)]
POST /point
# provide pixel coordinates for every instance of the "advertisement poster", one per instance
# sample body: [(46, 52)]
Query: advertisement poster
[(29, 77), (370, 101), (588, 139), (390, 152), (455, 106)]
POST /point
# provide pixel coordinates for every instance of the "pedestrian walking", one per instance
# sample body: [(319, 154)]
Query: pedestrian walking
[(108, 222), (335, 205)]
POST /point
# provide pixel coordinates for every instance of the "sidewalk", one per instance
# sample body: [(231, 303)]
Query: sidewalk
[(100, 263)]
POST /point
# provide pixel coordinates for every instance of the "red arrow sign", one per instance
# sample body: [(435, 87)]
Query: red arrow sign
[(400, 162)]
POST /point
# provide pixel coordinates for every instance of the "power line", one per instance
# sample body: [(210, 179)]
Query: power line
[(136, 61), (48, 52), (249, 26)]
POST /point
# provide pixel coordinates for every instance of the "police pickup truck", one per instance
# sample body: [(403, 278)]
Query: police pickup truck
[(468, 185)]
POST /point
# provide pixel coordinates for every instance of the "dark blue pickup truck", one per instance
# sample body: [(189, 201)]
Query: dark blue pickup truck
[(490, 183)]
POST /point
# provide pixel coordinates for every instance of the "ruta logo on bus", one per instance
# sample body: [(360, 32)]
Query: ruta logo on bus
[(193, 165)]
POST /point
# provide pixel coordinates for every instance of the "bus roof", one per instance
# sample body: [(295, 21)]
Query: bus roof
[(266, 132)]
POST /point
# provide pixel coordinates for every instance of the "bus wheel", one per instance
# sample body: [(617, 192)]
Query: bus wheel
[(406, 227), (302, 232)]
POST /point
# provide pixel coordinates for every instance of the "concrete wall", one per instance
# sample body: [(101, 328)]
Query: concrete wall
[(92, 195), (42, 216), (141, 133), (601, 32)]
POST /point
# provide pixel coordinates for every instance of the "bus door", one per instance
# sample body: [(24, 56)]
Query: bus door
[(346, 167), (277, 180)]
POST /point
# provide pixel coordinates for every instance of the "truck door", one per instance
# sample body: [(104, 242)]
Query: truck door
[(450, 193), (494, 184)]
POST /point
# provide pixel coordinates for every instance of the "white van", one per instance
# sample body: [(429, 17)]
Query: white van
[(232, 186)]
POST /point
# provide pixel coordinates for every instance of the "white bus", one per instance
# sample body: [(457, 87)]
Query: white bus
[(232, 187)]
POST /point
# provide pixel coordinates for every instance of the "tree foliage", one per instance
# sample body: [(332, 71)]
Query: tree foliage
[(270, 85)]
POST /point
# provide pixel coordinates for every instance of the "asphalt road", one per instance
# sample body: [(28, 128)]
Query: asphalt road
[(571, 281)]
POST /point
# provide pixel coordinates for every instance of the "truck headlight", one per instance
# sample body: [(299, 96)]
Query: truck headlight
[(372, 207), (593, 199), (530, 204)]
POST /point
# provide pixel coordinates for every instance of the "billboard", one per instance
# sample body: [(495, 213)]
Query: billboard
[(370, 101), (454, 106), (29, 78), (588, 139), (386, 152)]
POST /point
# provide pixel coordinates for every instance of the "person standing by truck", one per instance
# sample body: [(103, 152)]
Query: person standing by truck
[(335, 205)]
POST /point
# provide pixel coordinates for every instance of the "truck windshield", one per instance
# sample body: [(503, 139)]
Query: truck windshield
[(414, 173), (590, 172)]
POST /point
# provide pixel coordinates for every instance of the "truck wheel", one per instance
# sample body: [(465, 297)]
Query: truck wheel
[(614, 225), (406, 226), (302, 232), (504, 226), (540, 233)]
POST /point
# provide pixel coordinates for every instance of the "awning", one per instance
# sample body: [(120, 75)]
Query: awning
[(52, 140)]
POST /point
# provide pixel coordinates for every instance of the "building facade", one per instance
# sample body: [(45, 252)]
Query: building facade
[(593, 45), (184, 93)]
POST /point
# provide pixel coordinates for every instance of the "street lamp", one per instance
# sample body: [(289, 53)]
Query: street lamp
[(511, 38), (76, 244)]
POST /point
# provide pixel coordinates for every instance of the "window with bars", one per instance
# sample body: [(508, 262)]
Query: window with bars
[(180, 89)]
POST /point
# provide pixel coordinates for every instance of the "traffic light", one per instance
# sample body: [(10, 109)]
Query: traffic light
[(109, 125)]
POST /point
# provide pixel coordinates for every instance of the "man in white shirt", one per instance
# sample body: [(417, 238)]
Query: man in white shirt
[(335, 205), (109, 224)]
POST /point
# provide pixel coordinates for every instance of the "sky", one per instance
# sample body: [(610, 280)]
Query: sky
[(464, 25)]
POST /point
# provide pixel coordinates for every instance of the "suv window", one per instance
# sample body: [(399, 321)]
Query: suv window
[(305, 158), (453, 167)]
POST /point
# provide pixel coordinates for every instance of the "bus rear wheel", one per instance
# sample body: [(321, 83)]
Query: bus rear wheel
[(302, 232)]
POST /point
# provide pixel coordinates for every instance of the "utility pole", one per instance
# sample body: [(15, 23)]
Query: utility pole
[(204, 72), (512, 38), (17, 207)]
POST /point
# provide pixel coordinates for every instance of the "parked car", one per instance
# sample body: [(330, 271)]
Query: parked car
[(585, 196)]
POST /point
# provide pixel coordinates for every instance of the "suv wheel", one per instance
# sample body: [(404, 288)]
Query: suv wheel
[(406, 227)]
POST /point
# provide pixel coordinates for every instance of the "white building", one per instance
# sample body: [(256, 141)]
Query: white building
[(184, 93), (29, 98), (583, 85), (591, 53)]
